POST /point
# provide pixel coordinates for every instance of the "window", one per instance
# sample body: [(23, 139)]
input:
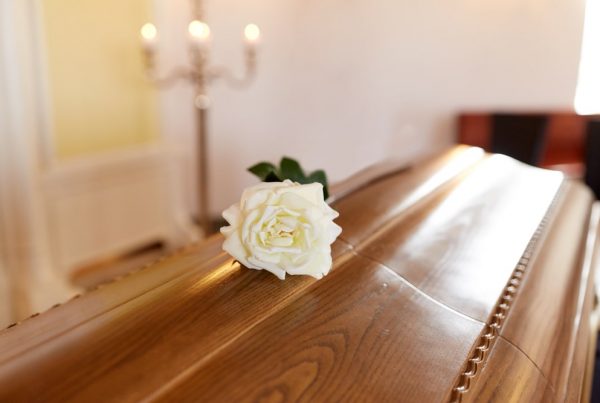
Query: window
[(587, 95)]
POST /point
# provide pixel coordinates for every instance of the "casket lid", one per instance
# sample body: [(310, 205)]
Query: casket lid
[(464, 277)]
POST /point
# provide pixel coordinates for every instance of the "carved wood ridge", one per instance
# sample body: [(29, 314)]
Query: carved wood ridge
[(491, 331)]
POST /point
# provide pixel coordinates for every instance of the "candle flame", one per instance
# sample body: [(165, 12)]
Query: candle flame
[(148, 31), (252, 32), (199, 30)]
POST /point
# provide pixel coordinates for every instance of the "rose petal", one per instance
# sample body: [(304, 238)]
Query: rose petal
[(256, 195), (282, 227), (273, 268), (334, 231), (233, 245), (292, 201), (250, 219), (318, 266), (233, 215), (312, 192)]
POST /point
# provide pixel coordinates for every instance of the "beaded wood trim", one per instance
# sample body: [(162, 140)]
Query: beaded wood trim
[(177, 252), (491, 330)]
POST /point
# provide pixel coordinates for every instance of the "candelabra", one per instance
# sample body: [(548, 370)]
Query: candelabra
[(200, 73)]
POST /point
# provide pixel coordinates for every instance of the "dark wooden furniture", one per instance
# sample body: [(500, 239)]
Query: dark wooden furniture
[(564, 137), (466, 277), (519, 136), (592, 156)]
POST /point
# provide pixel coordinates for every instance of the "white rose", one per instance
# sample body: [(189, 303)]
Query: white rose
[(282, 227)]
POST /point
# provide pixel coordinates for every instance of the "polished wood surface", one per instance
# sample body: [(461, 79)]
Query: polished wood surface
[(441, 245), (509, 376), (564, 279), (465, 277)]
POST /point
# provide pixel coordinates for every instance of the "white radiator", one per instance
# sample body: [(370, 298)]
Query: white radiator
[(106, 205)]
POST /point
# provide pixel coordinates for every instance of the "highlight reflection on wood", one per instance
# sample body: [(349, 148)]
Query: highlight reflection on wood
[(466, 277)]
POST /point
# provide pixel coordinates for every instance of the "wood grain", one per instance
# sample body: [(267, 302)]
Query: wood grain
[(509, 376), (180, 321), (443, 246), (369, 209), (544, 318), (418, 274), (319, 349)]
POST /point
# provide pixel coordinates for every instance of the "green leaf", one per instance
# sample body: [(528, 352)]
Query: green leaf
[(263, 169), (291, 169), (272, 177), (321, 177)]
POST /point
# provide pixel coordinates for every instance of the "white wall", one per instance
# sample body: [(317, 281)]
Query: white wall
[(344, 83)]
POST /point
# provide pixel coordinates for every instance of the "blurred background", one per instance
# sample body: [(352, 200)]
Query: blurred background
[(126, 127)]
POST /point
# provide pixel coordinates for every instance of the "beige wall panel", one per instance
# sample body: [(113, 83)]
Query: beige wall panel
[(99, 97)]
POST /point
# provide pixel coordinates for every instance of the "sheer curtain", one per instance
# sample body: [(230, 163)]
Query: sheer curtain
[(28, 282)]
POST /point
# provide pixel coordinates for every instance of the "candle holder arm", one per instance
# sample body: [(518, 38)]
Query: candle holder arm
[(179, 73), (240, 82)]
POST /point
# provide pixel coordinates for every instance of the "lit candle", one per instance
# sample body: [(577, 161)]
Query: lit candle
[(251, 35), (148, 34), (199, 34)]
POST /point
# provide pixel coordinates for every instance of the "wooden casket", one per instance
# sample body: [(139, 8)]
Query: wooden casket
[(467, 277)]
